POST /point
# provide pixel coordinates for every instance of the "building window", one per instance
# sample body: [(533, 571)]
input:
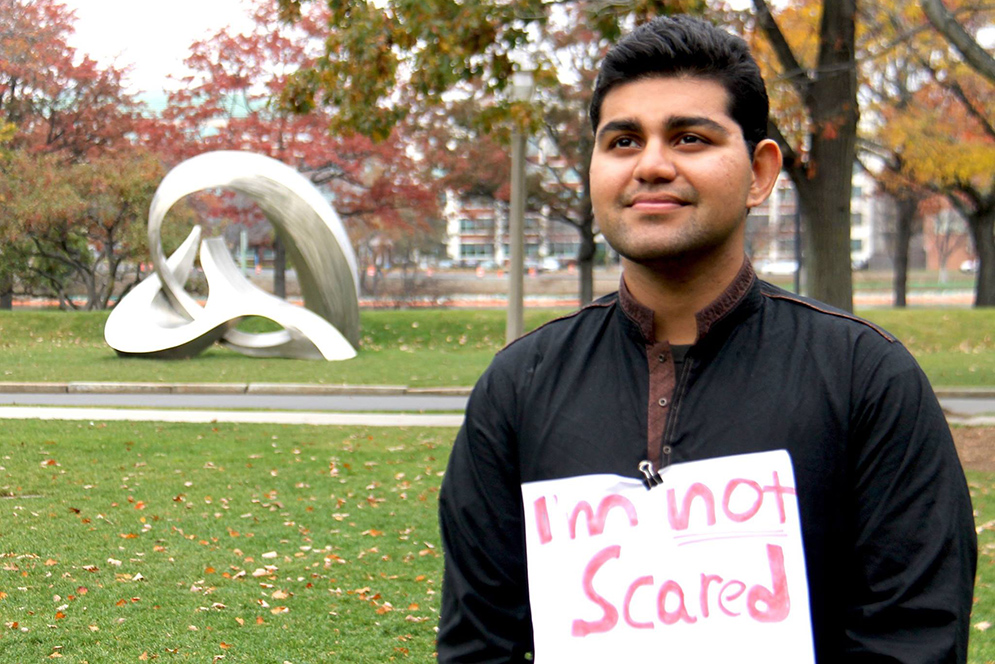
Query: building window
[(476, 250), (482, 224), (856, 219), (856, 245), (564, 248)]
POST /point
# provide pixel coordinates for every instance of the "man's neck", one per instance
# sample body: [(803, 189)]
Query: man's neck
[(675, 293)]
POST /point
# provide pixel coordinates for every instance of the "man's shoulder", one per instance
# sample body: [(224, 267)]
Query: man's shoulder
[(552, 333), (822, 315)]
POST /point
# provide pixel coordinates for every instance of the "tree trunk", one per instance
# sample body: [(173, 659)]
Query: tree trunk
[(585, 261), (981, 222), (587, 250), (903, 237), (279, 268), (833, 107), (6, 293), (823, 179)]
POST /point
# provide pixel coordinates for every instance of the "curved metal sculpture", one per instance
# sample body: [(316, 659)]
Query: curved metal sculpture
[(158, 318)]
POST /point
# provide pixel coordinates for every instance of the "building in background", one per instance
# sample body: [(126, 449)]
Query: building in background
[(477, 233), (771, 228)]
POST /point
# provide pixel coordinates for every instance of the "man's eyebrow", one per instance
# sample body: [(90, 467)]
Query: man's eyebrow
[(623, 125), (691, 121)]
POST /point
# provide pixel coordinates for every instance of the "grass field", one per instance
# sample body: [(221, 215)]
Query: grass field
[(128, 542), (419, 348)]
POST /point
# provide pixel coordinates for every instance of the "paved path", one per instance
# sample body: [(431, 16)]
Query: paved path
[(247, 417), (318, 403), (307, 404)]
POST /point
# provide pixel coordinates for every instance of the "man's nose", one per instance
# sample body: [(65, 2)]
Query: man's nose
[(655, 164)]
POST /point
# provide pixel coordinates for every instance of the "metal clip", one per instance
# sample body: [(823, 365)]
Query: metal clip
[(652, 478)]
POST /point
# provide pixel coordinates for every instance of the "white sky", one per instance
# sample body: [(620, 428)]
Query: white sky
[(152, 37)]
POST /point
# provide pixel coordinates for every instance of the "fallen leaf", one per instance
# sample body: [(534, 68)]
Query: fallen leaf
[(59, 615), (50, 562), (280, 594), (982, 626), (277, 610)]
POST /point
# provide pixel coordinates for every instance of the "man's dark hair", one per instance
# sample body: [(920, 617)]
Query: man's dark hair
[(686, 46)]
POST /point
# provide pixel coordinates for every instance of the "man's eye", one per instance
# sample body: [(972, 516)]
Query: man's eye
[(623, 142), (690, 139)]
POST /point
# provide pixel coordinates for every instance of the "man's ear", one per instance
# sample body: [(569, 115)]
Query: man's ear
[(766, 166)]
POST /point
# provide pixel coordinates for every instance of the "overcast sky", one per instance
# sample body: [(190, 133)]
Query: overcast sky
[(152, 37)]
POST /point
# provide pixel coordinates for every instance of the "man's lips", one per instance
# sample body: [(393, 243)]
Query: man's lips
[(655, 202)]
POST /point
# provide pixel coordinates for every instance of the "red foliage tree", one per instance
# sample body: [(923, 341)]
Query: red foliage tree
[(58, 112)]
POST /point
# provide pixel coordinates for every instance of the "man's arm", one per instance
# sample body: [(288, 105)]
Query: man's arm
[(485, 606), (915, 548)]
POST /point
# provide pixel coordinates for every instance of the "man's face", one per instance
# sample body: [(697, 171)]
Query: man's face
[(671, 176)]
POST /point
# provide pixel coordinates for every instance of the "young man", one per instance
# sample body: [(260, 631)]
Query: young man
[(696, 359)]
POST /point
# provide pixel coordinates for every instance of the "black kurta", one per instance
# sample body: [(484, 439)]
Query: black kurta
[(886, 517)]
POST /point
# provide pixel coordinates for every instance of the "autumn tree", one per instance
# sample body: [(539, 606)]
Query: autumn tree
[(386, 60), (60, 109), (931, 116), (812, 80), (966, 43), (229, 103), (87, 230)]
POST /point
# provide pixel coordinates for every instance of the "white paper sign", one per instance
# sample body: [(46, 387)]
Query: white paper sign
[(706, 567)]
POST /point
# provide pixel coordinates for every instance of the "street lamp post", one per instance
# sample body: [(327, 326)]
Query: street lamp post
[(521, 90)]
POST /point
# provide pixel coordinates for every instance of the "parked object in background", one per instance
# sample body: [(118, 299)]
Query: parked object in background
[(159, 318), (778, 268), (969, 266)]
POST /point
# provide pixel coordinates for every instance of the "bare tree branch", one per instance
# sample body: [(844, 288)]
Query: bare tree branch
[(975, 56), (793, 71)]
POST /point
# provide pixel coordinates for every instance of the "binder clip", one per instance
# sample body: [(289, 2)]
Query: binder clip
[(651, 478)]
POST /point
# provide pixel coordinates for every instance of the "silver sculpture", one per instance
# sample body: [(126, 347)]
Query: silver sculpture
[(158, 318)]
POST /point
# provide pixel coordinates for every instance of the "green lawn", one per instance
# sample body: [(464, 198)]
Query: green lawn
[(419, 348), (126, 542), (183, 542), (982, 649)]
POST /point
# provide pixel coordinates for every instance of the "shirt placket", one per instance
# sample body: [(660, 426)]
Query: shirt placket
[(662, 380)]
